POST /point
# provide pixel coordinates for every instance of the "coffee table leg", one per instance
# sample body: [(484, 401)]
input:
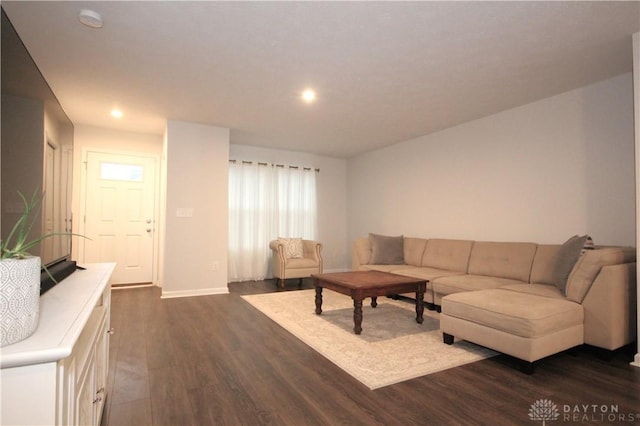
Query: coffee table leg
[(318, 300), (357, 315), (374, 302), (419, 306)]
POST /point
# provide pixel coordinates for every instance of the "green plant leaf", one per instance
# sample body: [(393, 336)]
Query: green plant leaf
[(22, 228)]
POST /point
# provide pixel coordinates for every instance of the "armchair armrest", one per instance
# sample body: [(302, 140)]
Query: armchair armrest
[(278, 251), (312, 250), (275, 246)]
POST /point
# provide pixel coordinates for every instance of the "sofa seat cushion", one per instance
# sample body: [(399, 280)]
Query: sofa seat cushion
[(458, 283), (295, 263), (385, 268), (521, 314), (545, 290), (428, 274)]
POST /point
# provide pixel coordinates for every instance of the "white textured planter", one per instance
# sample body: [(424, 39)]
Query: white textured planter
[(19, 298)]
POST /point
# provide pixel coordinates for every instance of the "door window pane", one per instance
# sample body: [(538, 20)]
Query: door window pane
[(115, 171)]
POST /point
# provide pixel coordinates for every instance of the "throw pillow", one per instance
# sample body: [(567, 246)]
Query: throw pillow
[(567, 257), (386, 250), (292, 247)]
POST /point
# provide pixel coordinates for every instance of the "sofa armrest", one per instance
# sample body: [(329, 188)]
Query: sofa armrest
[(610, 307), (360, 253), (589, 266)]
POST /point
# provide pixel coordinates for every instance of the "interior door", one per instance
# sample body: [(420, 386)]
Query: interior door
[(48, 252), (119, 214)]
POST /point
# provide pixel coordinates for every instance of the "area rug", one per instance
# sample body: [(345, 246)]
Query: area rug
[(392, 347)]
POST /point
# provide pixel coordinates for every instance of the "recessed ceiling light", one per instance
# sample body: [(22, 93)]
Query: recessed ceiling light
[(116, 113), (90, 18), (308, 96)]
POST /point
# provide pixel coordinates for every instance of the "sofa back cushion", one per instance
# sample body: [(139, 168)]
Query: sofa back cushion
[(414, 250), (544, 263), (504, 260), (589, 265), (567, 257), (450, 255), (386, 250)]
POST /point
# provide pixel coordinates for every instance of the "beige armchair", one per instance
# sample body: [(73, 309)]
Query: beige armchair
[(285, 266)]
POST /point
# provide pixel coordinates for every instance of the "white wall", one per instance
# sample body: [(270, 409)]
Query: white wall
[(196, 179), (636, 103), (540, 172), (332, 197), (86, 136)]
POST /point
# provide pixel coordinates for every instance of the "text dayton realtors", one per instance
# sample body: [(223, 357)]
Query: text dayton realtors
[(596, 413)]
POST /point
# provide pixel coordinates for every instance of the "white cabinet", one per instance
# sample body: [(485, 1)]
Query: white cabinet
[(101, 371), (58, 376), (85, 371)]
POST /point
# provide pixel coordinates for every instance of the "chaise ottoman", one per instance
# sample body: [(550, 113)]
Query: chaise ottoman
[(524, 325)]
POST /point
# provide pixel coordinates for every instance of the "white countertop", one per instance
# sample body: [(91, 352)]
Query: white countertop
[(64, 311)]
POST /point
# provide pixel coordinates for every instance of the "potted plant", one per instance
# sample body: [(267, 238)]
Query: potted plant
[(20, 275)]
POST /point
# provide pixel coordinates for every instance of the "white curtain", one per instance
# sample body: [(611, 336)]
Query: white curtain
[(266, 202)]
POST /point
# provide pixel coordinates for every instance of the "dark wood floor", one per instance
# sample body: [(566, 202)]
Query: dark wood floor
[(215, 360)]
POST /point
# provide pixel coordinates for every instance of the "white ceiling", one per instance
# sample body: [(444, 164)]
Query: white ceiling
[(384, 72)]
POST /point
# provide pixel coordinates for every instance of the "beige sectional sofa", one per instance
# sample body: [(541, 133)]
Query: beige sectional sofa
[(502, 295)]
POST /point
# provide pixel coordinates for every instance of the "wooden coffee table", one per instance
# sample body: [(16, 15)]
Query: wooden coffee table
[(362, 284)]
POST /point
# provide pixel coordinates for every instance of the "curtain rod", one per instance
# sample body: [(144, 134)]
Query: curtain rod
[(274, 165)]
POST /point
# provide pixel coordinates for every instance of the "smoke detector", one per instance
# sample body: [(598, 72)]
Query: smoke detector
[(90, 18)]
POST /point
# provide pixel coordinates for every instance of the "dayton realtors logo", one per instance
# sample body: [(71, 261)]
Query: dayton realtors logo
[(546, 410), (543, 410)]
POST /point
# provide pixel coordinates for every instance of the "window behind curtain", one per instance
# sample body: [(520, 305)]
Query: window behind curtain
[(266, 202)]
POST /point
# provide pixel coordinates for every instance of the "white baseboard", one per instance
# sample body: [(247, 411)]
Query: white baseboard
[(636, 360), (191, 293), (129, 286)]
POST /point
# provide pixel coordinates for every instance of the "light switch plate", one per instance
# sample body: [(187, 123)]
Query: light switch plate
[(184, 212)]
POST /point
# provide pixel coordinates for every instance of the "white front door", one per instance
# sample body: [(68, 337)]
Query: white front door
[(119, 214)]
